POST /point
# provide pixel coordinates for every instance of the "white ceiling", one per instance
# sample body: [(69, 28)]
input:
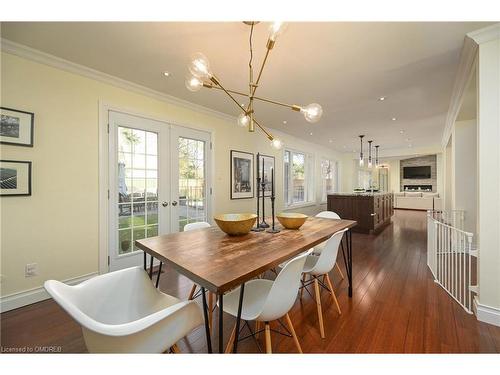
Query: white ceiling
[(345, 67)]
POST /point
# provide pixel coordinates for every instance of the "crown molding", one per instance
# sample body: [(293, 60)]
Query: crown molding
[(466, 68), (486, 34), (38, 56)]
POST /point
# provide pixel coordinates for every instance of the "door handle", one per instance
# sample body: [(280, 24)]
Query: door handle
[(164, 204), (174, 203)]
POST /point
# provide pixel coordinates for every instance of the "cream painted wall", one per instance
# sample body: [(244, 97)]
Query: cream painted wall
[(394, 172), (57, 227), (488, 83), (449, 203), (465, 183)]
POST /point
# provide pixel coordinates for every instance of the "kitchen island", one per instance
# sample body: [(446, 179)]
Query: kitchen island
[(372, 211)]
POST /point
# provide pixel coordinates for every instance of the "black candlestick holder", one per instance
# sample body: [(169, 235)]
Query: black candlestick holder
[(263, 223), (273, 229), (257, 224)]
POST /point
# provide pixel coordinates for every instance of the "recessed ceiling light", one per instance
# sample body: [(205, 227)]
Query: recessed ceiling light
[(310, 133), (242, 104), (401, 131), (166, 74), (382, 98), (330, 141), (284, 122), (394, 119)]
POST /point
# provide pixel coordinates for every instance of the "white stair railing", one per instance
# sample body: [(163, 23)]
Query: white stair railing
[(449, 255)]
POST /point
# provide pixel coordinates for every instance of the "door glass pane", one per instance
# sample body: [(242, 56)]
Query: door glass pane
[(192, 199), (298, 177), (137, 187)]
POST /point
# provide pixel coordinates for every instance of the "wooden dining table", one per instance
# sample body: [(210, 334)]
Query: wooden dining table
[(219, 263)]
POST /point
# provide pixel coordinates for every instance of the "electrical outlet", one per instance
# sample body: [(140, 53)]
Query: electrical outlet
[(30, 270)]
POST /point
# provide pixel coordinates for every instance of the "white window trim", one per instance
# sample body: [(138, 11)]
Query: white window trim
[(309, 178)]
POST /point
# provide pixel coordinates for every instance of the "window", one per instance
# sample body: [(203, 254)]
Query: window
[(328, 178), (298, 178), (364, 179)]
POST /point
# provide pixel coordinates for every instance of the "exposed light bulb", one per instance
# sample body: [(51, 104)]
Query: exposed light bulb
[(276, 143), (199, 66), (370, 164), (276, 29), (312, 112), (193, 83), (243, 120), (361, 162)]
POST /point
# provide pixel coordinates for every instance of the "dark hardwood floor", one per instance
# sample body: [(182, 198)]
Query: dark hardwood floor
[(396, 308)]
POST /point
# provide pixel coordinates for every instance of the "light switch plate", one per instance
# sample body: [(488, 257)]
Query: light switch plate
[(30, 270)]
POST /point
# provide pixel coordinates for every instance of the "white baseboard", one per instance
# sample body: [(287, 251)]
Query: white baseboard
[(27, 297), (487, 314)]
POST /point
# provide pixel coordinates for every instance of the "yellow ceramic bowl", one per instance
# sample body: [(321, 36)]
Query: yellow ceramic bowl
[(291, 220), (235, 224)]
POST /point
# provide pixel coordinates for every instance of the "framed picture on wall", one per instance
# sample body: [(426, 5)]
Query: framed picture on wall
[(242, 178), (16, 127), (15, 178), (266, 162)]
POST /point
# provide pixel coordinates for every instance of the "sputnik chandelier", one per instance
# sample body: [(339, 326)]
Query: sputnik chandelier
[(202, 76)]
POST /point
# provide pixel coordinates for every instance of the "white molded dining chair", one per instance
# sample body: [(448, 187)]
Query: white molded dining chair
[(192, 293), (318, 248), (123, 312), (268, 300), (197, 225), (317, 266)]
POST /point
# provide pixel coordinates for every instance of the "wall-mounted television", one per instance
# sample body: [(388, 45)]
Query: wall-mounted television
[(417, 172)]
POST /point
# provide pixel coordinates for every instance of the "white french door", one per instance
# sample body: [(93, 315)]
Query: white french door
[(190, 178), (158, 182)]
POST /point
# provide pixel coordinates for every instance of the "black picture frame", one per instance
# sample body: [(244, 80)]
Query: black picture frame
[(29, 163), (267, 193), (233, 194), (32, 128)]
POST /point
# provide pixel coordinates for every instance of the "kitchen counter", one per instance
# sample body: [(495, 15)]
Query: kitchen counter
[(368, 194)]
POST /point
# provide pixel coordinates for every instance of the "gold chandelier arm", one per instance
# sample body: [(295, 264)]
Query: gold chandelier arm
[(216, 82), (269, 135), (261, 69), (291, 106)]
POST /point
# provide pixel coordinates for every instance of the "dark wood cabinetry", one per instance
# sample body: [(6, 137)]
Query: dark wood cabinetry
[(371, 211)]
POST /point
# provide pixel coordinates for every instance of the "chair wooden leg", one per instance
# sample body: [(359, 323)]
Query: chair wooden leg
[(269, 349), (303, 281), (318, 305), (175, 349), (229, 347), (294, 335), (340, 271), (330, 285), (191, 293), (210, 309)]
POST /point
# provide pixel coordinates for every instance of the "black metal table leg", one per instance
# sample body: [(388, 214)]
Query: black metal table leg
[(238, 318), (151, 268), (144, 260), (158, 276), (221, 324), (349, 260), (205, 315)]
